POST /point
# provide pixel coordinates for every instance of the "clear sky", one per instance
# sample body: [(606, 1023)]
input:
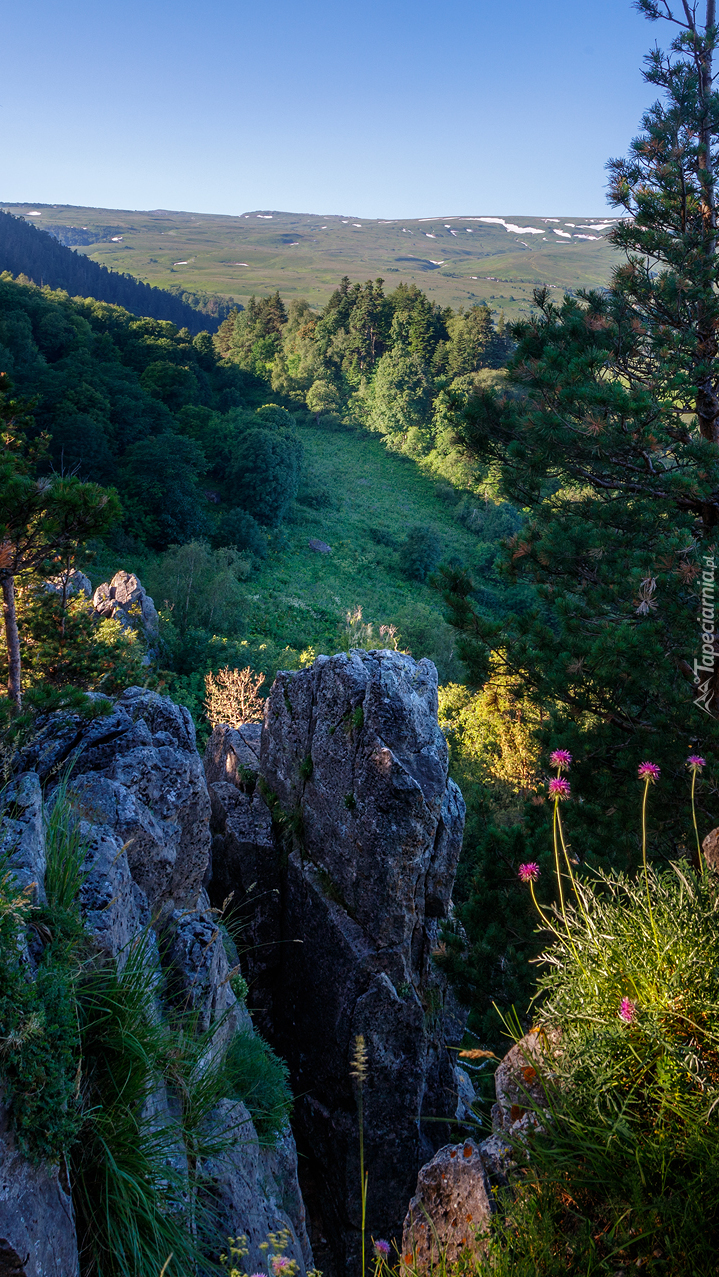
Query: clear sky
[(381, 108)]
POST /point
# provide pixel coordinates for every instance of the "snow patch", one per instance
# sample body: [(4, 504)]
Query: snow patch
[(564, 234), (510, 226)]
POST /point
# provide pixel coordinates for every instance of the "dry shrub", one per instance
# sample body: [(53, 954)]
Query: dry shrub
[(231, 696)]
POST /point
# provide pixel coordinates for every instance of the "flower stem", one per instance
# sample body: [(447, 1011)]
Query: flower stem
[(557, 824), (644, 862), (571, 875), (702, 863), (556, 859)]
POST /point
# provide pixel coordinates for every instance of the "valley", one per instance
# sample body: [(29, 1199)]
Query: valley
[(458, 261)]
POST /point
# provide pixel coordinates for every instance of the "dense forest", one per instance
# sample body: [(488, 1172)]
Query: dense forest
[(37, 254)]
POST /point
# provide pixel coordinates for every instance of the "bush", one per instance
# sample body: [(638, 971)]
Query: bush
[(255, 1075), (264, 474), (420, 553), (272, 417), (322, 398), (231, 697), (621, 1161), (199, 586), (238, 528)]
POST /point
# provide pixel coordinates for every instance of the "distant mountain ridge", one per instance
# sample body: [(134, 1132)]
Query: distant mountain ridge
[(42, 257)]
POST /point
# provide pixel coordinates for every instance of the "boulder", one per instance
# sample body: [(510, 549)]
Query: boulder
[(451, 1209), (710, 847), (37, 1224), (125, 599), (139, 791), (517, 1084), (344, 863), (255, 1192), (75, 583), (22, 835)]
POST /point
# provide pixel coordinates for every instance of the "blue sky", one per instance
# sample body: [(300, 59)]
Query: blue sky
[(387, 108)]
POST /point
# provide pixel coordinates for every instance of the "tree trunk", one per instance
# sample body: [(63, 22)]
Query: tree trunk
[(12, 640)]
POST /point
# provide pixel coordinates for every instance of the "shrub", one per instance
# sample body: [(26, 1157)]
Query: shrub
[(264, 474), (255, 1075), (420, 553), (238, 528), (621, 1164), (322, 398), (199, 586), (273, 417), (231, 697)]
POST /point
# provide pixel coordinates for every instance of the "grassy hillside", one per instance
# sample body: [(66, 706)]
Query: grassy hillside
[(294, 603), (456, 260)]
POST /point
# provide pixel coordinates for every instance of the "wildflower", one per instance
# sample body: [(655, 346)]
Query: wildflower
[(559, 787), (695, 763), (528, 872), (561, 758), (649, 771), (382, 1248), (627, 1010), (282, 1266)]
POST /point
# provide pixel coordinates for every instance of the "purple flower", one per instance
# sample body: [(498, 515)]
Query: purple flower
[(528, 872), (559, 787), (280, 1265), (695, 763), (649, 772), (561, 758), (627, 1010), (382, 1248)]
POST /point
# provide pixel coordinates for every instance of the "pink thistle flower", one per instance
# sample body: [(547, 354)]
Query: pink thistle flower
[(382, 1248), (695, 763), (528, 872), (559, 788), (627, 1010), (561, 758), (649, 771), (280, 1265)]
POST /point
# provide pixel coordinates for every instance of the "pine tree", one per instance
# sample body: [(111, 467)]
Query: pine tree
[(42, 518), (607, 437)]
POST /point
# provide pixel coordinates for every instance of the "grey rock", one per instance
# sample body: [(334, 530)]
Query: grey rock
[(76, 583), (255, 1191), (517, 1083), (319, 547), (710, 847), (497, 1158), (451, 1209), (139, 791), (465, 1096), (37, 1225), (347, 889), (198, 975), (22, 833), (233, 753), (125, 599), (114, 908)]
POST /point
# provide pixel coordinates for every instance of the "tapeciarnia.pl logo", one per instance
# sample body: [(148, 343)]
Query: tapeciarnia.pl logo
[(704, 670)]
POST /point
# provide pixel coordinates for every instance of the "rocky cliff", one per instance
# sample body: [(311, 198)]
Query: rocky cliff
[(139, 791), (337, 828)]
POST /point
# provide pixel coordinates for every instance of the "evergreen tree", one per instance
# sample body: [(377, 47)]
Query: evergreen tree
[(607, 436), (42, 518)]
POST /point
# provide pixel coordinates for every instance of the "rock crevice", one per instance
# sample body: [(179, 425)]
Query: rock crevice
[(349, 866)]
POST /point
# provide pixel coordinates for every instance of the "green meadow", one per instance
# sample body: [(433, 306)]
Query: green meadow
[(456, 260)]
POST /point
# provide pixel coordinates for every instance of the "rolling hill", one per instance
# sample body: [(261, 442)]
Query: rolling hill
[(457, 260)]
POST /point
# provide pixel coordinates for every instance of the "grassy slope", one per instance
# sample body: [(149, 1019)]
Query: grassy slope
[(306, 255), (299, 598), (375, 490)]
